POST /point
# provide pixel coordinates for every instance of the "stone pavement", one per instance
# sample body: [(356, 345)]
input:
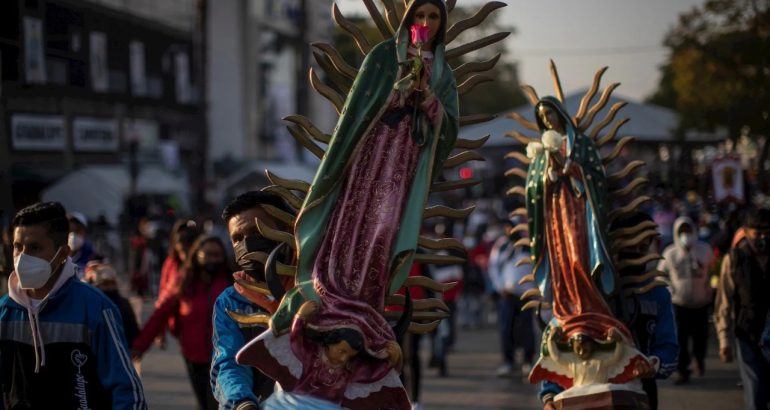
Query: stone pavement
[(471, 383)]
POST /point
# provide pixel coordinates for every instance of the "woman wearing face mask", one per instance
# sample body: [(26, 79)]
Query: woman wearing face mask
[(204, 276), (78, 241), (687, 262)]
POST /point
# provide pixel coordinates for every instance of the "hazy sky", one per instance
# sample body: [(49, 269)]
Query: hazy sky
[(582, 36)]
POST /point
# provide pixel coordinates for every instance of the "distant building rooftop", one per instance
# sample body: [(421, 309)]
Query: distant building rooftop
[(648, 122)]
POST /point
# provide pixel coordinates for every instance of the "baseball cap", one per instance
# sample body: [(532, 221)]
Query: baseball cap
[(78, 217)]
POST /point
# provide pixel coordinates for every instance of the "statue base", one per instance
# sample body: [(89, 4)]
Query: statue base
[(603, 397)]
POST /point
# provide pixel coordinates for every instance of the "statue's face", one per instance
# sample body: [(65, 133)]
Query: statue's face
[(428, 15), (339, 353), (550, 118), (583, 347)]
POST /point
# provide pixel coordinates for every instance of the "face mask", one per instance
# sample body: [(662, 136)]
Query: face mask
[(685, 239), (252, 243), (33, 272), (211, 267), (75, 241)]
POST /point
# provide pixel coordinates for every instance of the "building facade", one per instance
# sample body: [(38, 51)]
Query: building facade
[(96, 83), (259, 56)]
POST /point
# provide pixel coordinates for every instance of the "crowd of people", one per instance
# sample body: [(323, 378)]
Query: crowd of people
[(711, 266)]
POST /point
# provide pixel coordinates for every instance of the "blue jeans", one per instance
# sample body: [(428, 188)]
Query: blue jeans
[(755, 374)]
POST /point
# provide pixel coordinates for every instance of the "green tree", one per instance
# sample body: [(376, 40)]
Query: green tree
[(717, 74)]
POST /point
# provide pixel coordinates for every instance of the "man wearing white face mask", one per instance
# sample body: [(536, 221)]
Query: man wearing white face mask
[(80, 247), (61, 340), (686, 263)]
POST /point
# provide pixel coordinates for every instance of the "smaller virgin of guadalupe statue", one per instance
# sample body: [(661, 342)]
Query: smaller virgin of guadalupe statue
[(573, 260)]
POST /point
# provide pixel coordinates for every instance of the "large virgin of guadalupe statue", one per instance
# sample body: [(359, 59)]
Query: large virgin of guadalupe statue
[(330, 340)]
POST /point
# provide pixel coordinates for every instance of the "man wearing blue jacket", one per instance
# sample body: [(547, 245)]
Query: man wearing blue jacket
[(649, 317), (61, 340), (235, 386)]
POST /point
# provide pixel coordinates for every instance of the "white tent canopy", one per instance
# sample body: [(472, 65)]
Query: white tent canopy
[(648, 122), (252, 175), (102, 189)]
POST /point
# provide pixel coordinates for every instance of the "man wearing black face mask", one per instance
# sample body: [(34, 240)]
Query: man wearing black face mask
[(235, 386), (742, 306)]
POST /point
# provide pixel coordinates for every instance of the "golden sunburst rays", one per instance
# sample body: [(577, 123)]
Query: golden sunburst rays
[(624, 185), (556, 81), (427, 312)]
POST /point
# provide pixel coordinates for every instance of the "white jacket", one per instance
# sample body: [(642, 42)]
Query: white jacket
[(687, 269)]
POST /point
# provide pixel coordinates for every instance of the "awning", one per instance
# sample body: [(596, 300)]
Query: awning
[(102, 189)]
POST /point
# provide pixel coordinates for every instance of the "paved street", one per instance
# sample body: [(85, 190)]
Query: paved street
[(471, 383)]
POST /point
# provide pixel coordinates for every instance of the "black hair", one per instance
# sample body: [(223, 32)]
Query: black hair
[(349, 335), (97, 257), (758, 218), (50, 215), (187, 232), (191, 269), (184, 231), (253, 199), (441, 6)]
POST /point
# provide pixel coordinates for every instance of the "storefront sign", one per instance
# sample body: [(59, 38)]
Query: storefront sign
[(95, 135), (37, 132)]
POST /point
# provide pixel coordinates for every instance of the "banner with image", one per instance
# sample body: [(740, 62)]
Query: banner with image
[(34, 51), (182, 66), (98, 54), (727, 175), (137, 69)]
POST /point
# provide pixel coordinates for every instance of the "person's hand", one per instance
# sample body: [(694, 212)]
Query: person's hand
[(725, 354), (395, 356), (615, 335), (646, 369), (556, 334), (160, 342), (136, 355), (307, 310), (549, 405)]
